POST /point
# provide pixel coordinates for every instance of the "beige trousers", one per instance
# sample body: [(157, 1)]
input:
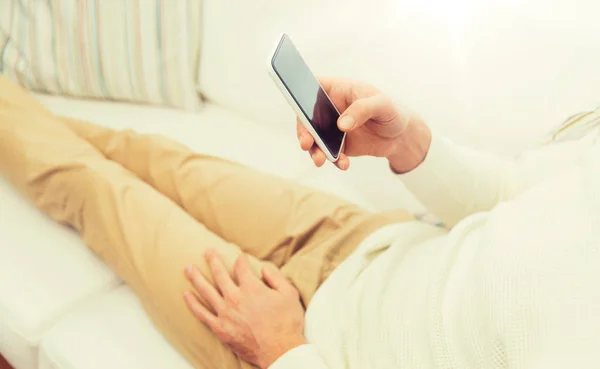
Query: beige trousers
[(148, 207)]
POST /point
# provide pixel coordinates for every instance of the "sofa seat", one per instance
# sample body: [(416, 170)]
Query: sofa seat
[(111, 331), (45, 272)]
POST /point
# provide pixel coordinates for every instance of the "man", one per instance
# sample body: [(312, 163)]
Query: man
[(512, 284)]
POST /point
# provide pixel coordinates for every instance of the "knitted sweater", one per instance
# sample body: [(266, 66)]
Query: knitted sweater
[(515, 283)]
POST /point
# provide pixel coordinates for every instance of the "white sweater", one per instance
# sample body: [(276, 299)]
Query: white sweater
[(514, 284)]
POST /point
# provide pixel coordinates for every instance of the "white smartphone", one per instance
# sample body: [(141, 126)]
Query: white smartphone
[(307, 97)]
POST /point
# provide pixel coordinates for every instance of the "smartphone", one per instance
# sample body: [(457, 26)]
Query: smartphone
[(307, 97)]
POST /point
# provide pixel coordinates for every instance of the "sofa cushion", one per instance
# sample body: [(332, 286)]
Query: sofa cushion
[(112, 331), (144, 51), (496, 76), (44, 273)]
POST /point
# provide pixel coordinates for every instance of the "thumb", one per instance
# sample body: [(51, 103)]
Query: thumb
[(276, 280), (362, 110)]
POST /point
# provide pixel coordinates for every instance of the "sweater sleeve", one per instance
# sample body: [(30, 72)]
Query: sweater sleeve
[(455, 181), (301, 357)]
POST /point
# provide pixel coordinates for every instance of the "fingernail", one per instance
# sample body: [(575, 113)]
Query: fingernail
[(188, 269), (346, 122), (187, 294)]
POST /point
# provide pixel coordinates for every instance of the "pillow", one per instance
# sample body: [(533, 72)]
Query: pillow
[(132, 50)]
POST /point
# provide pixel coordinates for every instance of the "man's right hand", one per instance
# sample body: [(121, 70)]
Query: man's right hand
[(374, 126)]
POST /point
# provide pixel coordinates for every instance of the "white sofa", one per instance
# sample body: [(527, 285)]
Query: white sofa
[(497, 77)]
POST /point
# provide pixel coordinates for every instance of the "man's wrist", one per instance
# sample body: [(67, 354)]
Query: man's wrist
[(411, 148)]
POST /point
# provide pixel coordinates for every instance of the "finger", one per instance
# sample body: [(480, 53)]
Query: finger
[(359, 112), (200, 311), (206, 290), (305, 138), (221, 276), (244, 273), (343, 162), (275, 279), (317, 156)]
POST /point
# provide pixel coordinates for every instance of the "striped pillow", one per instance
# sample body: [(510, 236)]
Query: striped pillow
[(133, 50)]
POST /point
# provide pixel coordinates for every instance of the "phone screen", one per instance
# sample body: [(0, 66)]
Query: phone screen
[(308, 94)]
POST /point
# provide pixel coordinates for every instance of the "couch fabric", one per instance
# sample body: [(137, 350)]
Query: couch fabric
[(110, 331)]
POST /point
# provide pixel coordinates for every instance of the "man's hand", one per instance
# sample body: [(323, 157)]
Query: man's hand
[(374, 126), (259, 321)]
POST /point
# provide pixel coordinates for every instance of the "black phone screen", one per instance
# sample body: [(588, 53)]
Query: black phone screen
[(308, 94)]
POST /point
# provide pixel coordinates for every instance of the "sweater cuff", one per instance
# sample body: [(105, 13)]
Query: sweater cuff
[(301, 357), (435, 162)]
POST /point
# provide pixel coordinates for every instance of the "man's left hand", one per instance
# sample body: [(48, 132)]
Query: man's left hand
[(259, 321)]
